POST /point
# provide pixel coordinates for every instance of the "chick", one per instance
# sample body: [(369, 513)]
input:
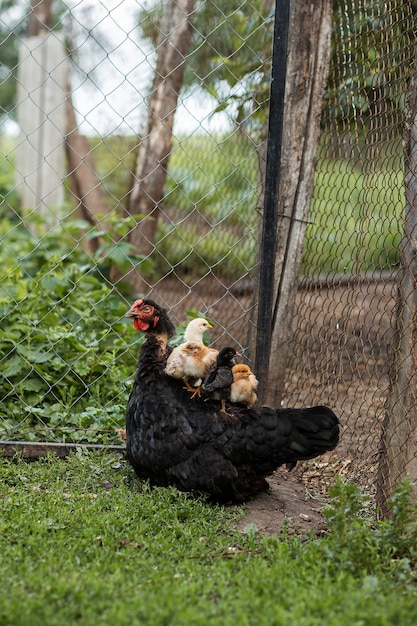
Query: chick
[(217, 384), (191, 363), (244, 385), (196, 329), (122, 433), (175, 363)]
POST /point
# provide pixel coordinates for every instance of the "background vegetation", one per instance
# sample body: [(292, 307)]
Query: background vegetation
[(66, 367), (70, 358), (355, 220)]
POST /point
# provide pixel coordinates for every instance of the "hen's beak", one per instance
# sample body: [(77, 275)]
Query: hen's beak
[(130, 313)]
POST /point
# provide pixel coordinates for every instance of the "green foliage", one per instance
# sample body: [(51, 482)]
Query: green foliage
[(8, 196), (113, 248), (83, 541), (114, 157), (210, 199), (355, 219), (366, 547), (230, 54), (66, 362), (367, 64), (399, 532), (208, 219)]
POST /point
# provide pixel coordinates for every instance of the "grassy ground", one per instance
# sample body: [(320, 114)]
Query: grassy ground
[(84, 542)]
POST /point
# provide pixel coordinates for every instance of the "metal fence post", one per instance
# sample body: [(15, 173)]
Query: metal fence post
[(272, 177)]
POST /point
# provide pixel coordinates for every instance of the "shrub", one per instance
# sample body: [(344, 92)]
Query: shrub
[(66, 360), (365, 546)]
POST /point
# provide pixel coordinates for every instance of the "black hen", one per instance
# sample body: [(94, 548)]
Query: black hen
[(173, 440)]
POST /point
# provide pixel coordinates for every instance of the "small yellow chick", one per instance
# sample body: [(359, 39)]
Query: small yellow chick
[(244, 385)]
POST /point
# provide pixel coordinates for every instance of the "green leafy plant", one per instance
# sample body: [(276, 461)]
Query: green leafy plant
[(113, 248), (66, 361), (399, 531), (364, 546)]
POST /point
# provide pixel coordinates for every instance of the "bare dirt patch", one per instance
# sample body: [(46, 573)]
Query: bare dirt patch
[(288, 503)]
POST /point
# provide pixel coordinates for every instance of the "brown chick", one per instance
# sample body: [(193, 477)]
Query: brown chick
[(191, 362), (244, 385), (175, 363), (193, 333)]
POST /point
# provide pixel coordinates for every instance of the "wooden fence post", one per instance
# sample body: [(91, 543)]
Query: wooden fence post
[(307, 70), (40, 155), (398, 450)]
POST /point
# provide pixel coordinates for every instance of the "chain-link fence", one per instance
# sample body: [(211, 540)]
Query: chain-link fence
[(155, 117)]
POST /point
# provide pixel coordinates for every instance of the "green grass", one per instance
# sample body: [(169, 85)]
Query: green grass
[(84, 542), (355, 219)]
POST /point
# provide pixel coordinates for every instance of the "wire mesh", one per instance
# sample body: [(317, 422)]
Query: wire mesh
[(346, 312), (70, 264)]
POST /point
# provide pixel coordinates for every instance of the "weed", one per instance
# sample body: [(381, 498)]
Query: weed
[(366, 546), (66, 360)]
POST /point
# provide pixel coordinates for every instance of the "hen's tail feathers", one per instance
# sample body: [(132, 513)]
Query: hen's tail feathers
[(317, 431)]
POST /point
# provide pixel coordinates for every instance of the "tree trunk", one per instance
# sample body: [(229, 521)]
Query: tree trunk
[(86, 185), (398, 451), (151, 169), (40, 17), (307, 70)]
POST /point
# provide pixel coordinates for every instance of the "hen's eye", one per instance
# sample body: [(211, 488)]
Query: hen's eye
[(147, 309)]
